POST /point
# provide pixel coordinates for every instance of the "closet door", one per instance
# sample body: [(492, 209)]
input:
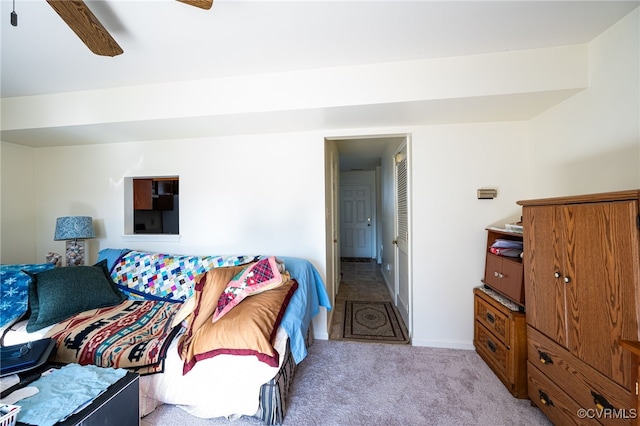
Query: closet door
[(601, 251), (543, 260)]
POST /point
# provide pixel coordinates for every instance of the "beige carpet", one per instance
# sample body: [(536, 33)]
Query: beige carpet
[(372, 322), (344, 383)]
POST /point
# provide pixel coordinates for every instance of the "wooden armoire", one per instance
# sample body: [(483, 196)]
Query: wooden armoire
[(582, 287)]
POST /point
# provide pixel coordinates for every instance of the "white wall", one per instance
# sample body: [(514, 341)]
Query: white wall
[(591, 142), (17, 206), (265, 193), (238, 195), (447, 165)]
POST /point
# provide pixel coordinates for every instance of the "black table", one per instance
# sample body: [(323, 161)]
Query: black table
[(118, 405)]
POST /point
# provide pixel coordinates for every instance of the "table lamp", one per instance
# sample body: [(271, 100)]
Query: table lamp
[(74, 229)]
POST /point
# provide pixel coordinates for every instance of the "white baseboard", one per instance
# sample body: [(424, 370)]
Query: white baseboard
[(443, 344), (386, 281), (321, 336)]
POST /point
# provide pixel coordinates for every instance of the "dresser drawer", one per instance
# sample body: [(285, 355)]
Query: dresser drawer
[(554, 403), (489, 314), (494, 352), (588, 387), (505, 275), (500, 338)]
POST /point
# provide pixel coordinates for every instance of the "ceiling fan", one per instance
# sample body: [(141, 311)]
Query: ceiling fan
[(84, 23)]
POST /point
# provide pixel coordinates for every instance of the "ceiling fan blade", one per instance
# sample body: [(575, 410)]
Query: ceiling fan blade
[(86, 26), (202, 4)]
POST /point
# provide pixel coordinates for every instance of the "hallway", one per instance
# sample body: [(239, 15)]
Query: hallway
[(361, 281)]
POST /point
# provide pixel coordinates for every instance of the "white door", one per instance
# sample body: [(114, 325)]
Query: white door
[(355, 220), (402, 237)]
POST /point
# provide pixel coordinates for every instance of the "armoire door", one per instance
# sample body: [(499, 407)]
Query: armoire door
[(544, 291), (601, 248)]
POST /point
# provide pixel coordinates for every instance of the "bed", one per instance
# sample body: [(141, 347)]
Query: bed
[(218, 336)]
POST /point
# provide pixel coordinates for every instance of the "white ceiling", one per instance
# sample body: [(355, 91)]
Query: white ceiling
[(365, 153), (167, 41), (164, 40)]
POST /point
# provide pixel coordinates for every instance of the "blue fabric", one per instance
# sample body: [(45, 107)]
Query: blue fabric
[(305, 303), (65, 390), (14, 289), (112, 256)]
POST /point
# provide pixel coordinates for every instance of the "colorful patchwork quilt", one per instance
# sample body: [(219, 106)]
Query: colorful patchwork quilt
[(157, 276), (134, 335), (14, 290)]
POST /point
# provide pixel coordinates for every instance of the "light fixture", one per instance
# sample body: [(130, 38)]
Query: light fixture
[(74, 229)]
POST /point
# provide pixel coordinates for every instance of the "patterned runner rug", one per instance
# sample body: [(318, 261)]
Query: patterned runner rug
[(372, 322)]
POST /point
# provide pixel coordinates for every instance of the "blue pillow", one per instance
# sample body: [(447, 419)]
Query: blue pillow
[(57, 294)]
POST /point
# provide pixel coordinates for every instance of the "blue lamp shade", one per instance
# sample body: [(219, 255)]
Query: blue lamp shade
[(74, 228)]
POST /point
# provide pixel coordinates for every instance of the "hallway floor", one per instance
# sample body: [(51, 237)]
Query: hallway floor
[(361, 281)]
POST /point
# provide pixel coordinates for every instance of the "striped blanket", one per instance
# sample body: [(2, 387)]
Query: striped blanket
[(134, 335)]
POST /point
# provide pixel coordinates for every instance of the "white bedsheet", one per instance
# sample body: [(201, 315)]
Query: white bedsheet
[(225, 385)]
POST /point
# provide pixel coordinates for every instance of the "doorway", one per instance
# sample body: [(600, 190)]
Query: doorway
[(366, 205)]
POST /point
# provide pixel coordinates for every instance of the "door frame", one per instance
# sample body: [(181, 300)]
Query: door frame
[(383, 244), (405, 311)]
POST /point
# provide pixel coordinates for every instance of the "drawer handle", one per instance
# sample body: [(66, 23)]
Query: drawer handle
[(490, 318), (601, 402), (545, 358), (544, 399), (491, 345)]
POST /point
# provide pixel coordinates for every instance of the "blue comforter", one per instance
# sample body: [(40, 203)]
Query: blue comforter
[(305, 303)]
